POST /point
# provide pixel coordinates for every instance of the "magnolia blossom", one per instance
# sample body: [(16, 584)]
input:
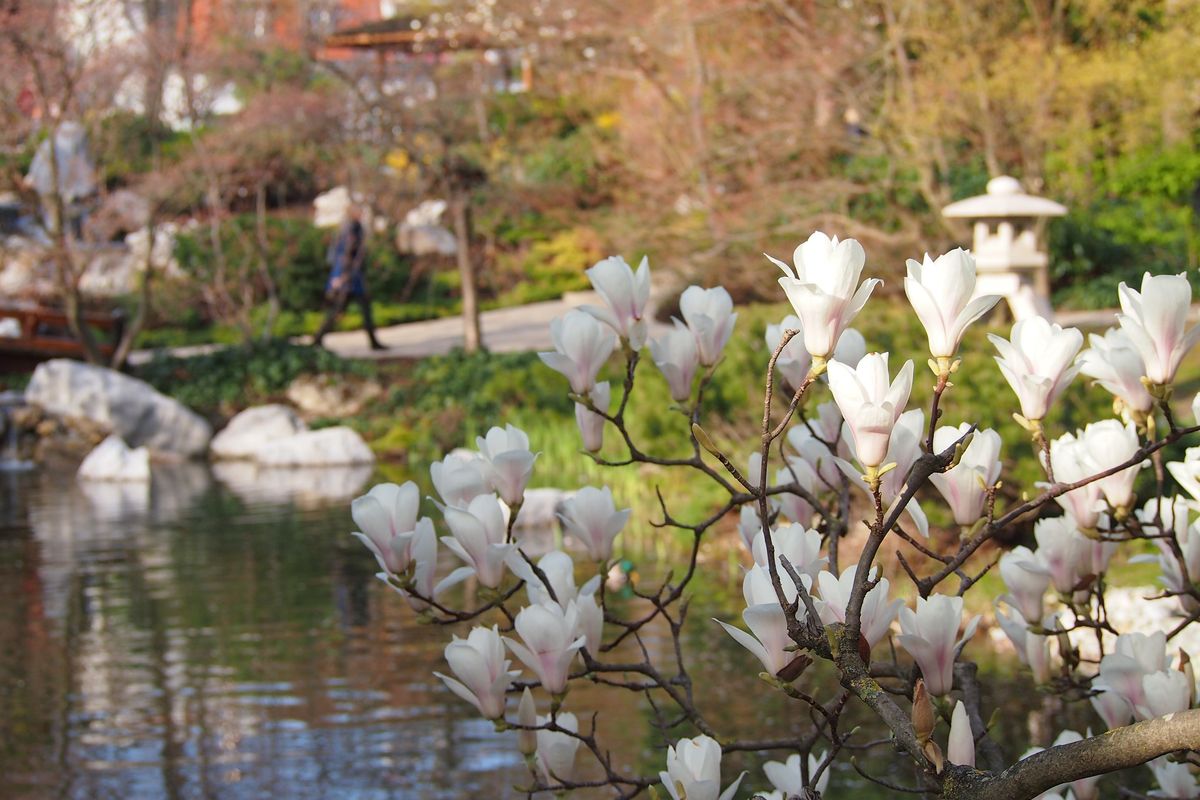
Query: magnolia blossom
[(1062, 552), (1112, 707), (1027, 579), (482, 670), (549, 642), (1032, 648), (677, 357), (940, 292), (810, 440), (870, 402), (851, 347), (1187, 473), (794, 362), (592, 518), (1177, 575), (422, 549), (1175, 779), (527, 719), (1097, 448), (710, 317), (966, 484), (929, 637), (1037, 362), (792, 505), (960, 748), (477, 537), (1117, 366), (1164, 692), (904, 448), (1155, 319), (749, 525), (823, 289), (800, 546), (458, 478), (591, 424), (556, 750), (626, 293), (877, 612), (1133, 657), (506, 461), (768, 639), (788, 779), (581, 346), (559, 570), (589, 619), (694, 771), (387, 516)]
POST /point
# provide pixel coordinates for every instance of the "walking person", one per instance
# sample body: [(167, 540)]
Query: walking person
[(347, 268)]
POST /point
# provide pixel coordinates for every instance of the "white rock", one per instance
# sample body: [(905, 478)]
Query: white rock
[(113, 460), (325, 447), (253, 430), (126, 406)]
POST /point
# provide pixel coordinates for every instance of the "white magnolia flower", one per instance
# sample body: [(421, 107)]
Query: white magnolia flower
[(694, 771), (823, 289), (581, 346), (387, 517), (591, 424), (788, 779), (482, 670), (930, 638), (904, 448), (1027, 579), (799, 545), (940, 292), (1084, 788), (794, 362), (1133, 657), (556, 750), (870, 402), (477, 537), (506, 461), (1037, 362), (677, 357), (966, 484), (1117, 366), (1062, 551), (626, 293), (423, 550), (877, 612), (1187, 473), (549, 642), (710, 317), (458, 478), (768, 639), (793, 506), (1097, 448), (1112, 707), (592, 518), (1175, 779), (1155, 319)]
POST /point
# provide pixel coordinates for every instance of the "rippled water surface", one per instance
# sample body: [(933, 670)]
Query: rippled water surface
[(222, 636)]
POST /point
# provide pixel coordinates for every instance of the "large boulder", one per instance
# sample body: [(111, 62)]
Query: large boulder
[(320, 397), (113, 460), (253, 430), (126, 406), (325, 447)]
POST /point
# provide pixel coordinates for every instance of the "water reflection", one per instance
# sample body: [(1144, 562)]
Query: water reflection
[(187, 642), (226, 638)]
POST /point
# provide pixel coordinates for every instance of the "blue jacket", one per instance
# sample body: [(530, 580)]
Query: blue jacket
[(347, 256)]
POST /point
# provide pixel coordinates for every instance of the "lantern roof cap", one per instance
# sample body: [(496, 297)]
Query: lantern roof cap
[(1004, 198)]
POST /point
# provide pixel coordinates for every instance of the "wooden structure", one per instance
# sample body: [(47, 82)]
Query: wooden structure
[(45, 333)]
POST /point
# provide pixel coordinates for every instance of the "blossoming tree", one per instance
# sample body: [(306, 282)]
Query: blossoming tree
[(535, 630)]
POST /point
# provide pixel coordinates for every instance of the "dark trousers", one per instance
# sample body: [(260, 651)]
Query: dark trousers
[(335, 308)]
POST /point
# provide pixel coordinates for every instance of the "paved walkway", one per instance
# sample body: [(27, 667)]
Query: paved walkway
[(505, 330)]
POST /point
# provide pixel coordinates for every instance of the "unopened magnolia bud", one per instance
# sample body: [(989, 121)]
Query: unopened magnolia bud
[(527, 718), (703, 439), (934, 753), (793, 669), (923, 715)]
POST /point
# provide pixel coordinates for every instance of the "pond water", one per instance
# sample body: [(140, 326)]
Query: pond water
[(223, 637)]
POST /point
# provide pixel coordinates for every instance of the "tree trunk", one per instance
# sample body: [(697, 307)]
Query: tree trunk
[(472, 337)]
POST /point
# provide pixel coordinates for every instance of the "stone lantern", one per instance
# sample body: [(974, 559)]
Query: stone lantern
[(1011, 260)]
